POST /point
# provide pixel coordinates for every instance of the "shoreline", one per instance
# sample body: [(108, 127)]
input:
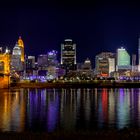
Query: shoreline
[(78, 85)]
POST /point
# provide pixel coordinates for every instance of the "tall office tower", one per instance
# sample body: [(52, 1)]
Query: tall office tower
[(21, 45), (30, 62), (42, 61), (52, 65), (52, 58), (68, 55), (104, 64), (123, 59), (139, 54), (16, 63), (133, 62)]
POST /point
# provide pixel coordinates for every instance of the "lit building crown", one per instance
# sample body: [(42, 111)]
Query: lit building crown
[(87, 60), (20, 42), (16, 50), (21, 45)]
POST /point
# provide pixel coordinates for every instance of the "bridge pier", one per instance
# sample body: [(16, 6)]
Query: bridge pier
[(4, 82)]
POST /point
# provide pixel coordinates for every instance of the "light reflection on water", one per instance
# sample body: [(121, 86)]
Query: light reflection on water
[(68, 109)]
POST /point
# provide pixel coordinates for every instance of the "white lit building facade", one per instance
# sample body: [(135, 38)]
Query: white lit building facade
[(68, 55), (16, 63)]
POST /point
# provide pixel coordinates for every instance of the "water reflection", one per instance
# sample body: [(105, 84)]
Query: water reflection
[(68, 109), (12, 110)]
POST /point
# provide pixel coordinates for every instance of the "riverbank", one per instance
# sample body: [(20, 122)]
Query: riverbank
[(97, 84), (124, 134)]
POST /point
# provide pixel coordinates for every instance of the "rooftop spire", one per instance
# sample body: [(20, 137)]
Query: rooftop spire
[(21, 45)]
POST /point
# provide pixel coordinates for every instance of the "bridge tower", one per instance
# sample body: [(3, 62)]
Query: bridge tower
[(4, 70)]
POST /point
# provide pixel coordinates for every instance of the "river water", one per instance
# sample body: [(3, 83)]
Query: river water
[(50, 110)]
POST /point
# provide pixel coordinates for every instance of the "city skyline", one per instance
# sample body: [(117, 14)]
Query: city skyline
[(93, 27), (6, 48)]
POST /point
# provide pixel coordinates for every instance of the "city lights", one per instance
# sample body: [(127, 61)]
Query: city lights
[(47, 68)]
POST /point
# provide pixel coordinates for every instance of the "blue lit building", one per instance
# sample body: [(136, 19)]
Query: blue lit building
[(52, 58), (52, 65)]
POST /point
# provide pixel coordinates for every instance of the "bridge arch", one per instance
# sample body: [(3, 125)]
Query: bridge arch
[(4, 70)]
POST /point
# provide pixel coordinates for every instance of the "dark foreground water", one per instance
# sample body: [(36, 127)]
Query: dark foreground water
[(49, 110)]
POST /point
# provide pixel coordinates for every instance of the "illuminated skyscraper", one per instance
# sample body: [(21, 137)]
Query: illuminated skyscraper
[(30, 62), (21, 45), (123, 59), (68, 55), (52, 65), (139, 55), (16, 50), (52, 58), (16, 63)]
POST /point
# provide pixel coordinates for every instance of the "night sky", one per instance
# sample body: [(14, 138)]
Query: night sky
[(94, 27)]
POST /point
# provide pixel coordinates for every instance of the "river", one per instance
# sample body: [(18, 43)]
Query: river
[(50, 110)]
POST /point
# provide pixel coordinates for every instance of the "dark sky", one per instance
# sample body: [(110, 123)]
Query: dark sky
[(94, 27)]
